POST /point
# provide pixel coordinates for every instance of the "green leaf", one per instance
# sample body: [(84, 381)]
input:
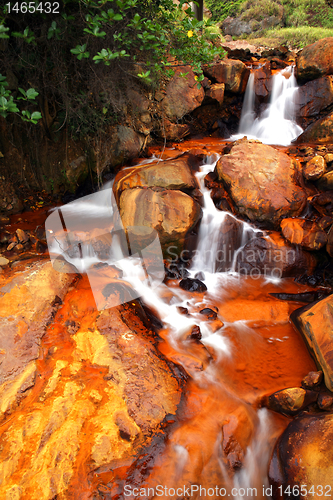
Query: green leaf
[(36, 115), (3, 102), (117, 17), (24, 94), (32, 94), (3, 31)]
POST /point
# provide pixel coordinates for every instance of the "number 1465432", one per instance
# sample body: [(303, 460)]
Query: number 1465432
[(32, 7)]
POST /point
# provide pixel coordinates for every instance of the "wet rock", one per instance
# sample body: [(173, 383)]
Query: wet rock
[(329, 158), (325, 183), (290, 401), (192, 285), (303, 456), (3, 261), (125, 144), (273, 256), (169, 174), (173, 131), (22, 236), (315, 168), (255, 312), (325, 222), (182, 95), (325, 401), (102, 397), (231, 235), (233, 73), (315, 60), (41, 247), (4, 219), (312, 380), (199, 276), (329, 246), (11, 246), (172, 213), (299, 297), (313, 98), (303, 232), (182, 310), (320, 131), (323, 203), (10, 203), (195, 333), (26, 307), (261, 182), (216, 91), (237, 432), (263, 81), (209, 313), (315, 323)]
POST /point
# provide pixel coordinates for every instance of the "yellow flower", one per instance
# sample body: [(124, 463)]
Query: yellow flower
[(196, 78), (190, 33)]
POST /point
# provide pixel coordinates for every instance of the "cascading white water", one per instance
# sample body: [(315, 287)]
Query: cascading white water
[(277, 124), (219, 275)]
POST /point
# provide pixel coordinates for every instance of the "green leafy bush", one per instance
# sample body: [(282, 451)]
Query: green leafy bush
[(60, 55)]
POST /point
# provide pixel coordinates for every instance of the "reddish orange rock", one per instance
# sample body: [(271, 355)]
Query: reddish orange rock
[(261, 181), (233, 73), (316, 325), (303, 232), (315, 168), (303, 459), (216, 91), (315, 60)]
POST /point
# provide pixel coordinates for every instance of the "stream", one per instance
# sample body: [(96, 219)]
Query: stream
[(234, 345)]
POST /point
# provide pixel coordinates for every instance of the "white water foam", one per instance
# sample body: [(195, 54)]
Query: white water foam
[(277, 124)]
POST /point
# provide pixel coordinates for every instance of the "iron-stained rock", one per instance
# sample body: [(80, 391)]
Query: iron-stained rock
[(303, 457), (261, 181), (303, 232), (315, 322)]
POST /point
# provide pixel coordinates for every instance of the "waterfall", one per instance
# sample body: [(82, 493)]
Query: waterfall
[(221, 237), (277, 123)]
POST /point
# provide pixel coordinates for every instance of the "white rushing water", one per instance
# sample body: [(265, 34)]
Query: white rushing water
[(214, 257), (277, 123)]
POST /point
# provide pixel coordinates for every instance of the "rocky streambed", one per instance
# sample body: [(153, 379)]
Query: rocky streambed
[(217, 382), (217, 388)]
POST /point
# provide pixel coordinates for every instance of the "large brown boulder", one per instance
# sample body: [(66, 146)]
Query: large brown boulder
[(273, 256), (182, 94), (315, 60), (315, 323), (261, 182), (169, 174), (313, 98), (320, 131), (233, 73), (172, 213), (302, 461)]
